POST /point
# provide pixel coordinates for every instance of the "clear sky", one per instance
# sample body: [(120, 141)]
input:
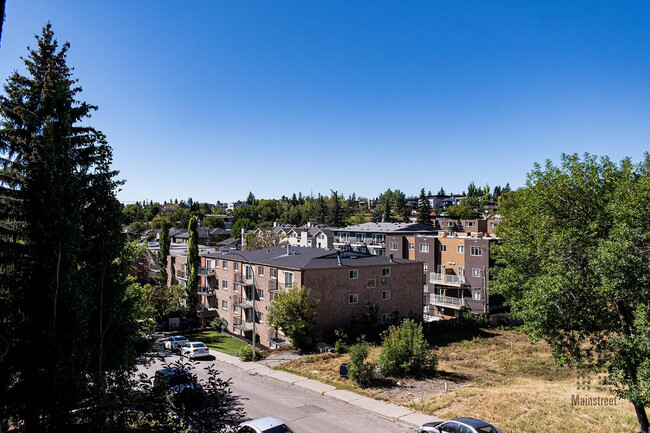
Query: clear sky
[(213, 99)]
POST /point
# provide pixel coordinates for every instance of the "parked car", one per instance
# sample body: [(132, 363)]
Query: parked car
[(175, 342), (458, 425), (264, 425), (195, 349), (174, 380)]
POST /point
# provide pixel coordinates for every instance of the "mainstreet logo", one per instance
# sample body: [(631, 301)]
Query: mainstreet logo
[(599, 381), (577, 400)]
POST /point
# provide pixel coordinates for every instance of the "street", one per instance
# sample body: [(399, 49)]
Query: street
[(303, 410)]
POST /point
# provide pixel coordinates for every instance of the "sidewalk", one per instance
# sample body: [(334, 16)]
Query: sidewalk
[(386, 410)]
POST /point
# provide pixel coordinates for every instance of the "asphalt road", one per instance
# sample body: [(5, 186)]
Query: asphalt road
[(303, 410)]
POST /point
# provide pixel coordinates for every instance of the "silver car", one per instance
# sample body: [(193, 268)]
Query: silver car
[(195, 349), (264, 425), (458, 425)]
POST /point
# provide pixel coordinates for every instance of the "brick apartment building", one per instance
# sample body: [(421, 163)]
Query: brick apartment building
[(240, 285)]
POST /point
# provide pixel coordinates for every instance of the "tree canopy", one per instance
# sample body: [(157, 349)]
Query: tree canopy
[(291, 312), (574, 264)]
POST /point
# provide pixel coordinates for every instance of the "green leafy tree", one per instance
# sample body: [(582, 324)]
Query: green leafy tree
[(424, 209), (360, 369), (193, 262), (73, 319), (405, 351), (213, 222), (462, 211), (291, 312), (574, 263)]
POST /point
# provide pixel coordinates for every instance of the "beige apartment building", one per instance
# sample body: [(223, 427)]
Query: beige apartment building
[(239, 286)]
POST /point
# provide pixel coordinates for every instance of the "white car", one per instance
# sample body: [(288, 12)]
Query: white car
[(175, 342), (195, 349), (459, 425), (264, 425)]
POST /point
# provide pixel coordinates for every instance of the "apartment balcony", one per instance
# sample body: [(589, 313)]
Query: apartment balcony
[(205, 272), (241, 280), (277, 339), (447, 279), (448, 301), (273, 286), (181, 275), (242, 325), (207, 312), (207, 291), (376, 244), (243, 301)]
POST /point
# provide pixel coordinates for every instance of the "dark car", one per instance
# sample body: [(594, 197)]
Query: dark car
[(174, 380), (458, 425)]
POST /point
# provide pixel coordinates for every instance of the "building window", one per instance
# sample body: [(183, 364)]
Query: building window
[(493, 225), (477, 272), (461, 271), (235, 308), (224, 305), (475, 251), (248, 272), (216, 264), (460, 248), (385, 272), (274, 273), (392, 246), (424, 248), (470, 224), (385, 295), (426, 267), (371, 283), (411, 246), (260, 318), (354, 274), (450, 224), (353, 298), (260, 271), (224, 285), (235, 266), (260, 294), (271, 296), (443, 248), (224, 265), (288, 279), (386, 318), (216, 284), (476, 296)]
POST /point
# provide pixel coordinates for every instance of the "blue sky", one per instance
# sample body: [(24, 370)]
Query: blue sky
[(212, 99)]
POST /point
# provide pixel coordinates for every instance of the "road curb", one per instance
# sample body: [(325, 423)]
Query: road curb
[(380, 408)]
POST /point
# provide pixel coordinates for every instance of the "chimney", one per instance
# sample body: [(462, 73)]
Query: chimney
[(288, 250), (391, 258)]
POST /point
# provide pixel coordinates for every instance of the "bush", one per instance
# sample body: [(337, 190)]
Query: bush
[(341, 344), (360, 370), (219, 324), (405, 351), (246, 354)]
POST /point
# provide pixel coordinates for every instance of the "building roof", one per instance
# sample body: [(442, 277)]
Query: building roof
[(305, 258), (388, 228)]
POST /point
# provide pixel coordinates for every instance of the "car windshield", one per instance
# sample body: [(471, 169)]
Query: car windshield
[(488, 429), (199, 345)]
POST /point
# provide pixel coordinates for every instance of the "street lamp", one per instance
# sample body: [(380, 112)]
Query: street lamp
[(248, 263)]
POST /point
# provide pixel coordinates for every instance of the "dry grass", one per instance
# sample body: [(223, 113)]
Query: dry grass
[(502, 378)]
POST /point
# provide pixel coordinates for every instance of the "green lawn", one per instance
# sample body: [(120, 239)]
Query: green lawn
[(218, 341)]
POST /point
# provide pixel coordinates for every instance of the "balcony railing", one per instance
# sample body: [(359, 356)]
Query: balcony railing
[(448, 301), (181, 275), (242, 325), (447, 279), (205, 271), (243, 301), (273, 286), (207, 291), (242, 280)]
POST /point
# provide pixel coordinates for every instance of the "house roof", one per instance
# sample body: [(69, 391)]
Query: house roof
[(388, 228), (306, 258)]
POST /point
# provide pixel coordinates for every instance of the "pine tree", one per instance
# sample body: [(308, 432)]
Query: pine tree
[(59, 245), (335, 211), (321, 210), (193, 261), (424, 209)]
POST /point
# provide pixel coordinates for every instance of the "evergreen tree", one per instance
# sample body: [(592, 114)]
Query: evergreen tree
[(63, 286), (442, 191), (193, 261), (164, 241), (250, 199), (424, 209), (321, 210), (336, 217)]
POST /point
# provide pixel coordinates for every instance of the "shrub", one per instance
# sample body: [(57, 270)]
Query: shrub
[(219, 324), (360, 370), (246, 354), (405, 351), (341, 344)]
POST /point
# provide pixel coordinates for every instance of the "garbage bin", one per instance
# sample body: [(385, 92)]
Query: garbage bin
[(343, 370)]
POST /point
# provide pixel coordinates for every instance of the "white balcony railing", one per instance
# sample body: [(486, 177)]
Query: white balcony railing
[(448, 279), (448, 301)]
